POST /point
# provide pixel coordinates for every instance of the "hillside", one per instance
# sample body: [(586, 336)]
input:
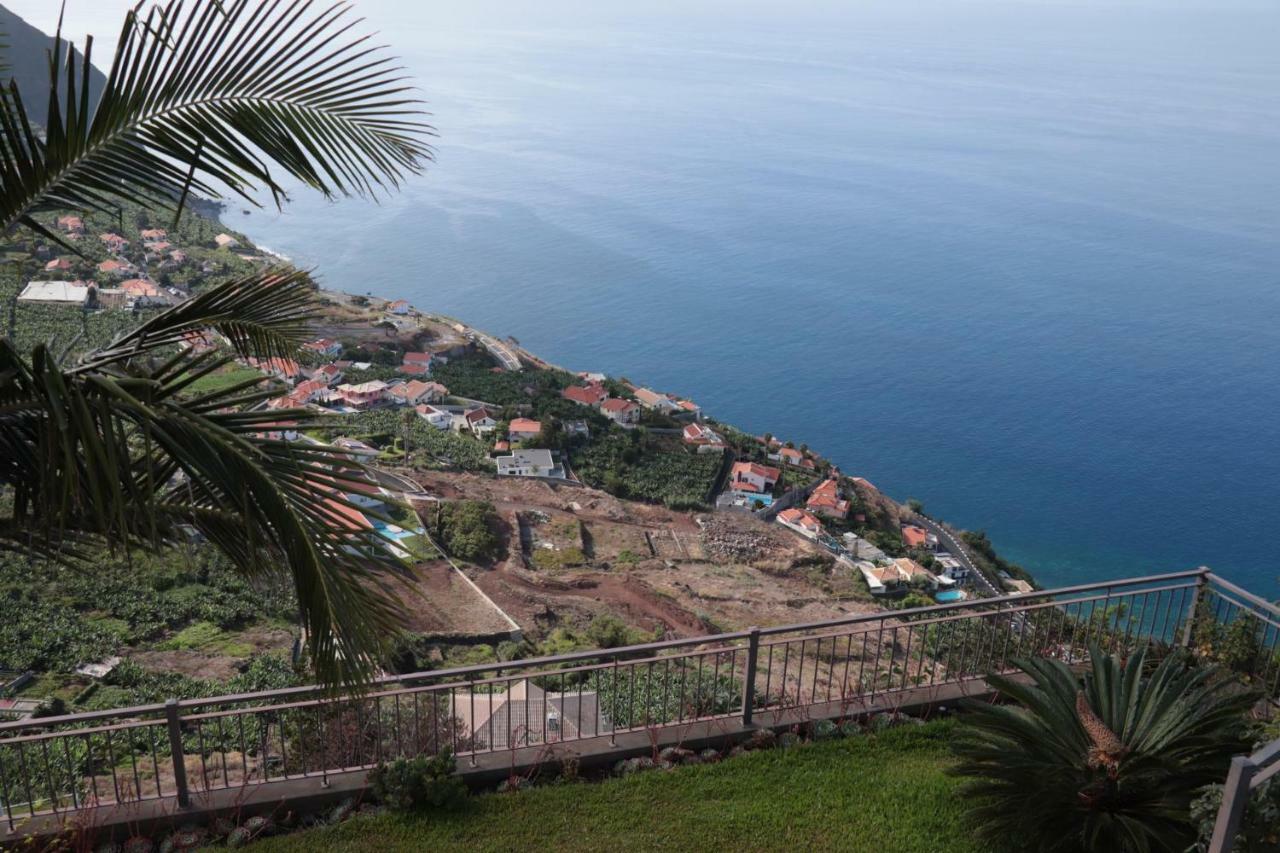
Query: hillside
[(26, 56)]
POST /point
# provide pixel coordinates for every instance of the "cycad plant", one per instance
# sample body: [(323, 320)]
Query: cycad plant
[(1106, 763), (207, 97)]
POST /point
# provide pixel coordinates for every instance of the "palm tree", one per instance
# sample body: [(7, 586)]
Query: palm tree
[(1110, 762), (205, 97)]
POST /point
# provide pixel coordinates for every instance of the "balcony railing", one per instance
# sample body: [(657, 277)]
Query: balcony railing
[(173, 752)]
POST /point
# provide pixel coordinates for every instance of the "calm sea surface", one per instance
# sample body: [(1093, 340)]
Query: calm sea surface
[(1021, 264)]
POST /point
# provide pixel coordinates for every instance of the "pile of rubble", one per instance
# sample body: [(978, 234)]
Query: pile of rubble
[(730, 542)]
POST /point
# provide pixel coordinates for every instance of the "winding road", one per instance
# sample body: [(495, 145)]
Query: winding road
[(960, 552)]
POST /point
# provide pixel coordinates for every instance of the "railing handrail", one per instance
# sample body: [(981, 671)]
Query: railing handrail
[(1255, 600), (1247, 773), (994, 605)]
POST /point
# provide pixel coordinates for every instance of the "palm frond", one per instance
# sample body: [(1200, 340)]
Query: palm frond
[(1032, 766), (116, 450), (214, 97)]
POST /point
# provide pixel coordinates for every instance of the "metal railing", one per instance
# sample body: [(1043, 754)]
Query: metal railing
[(1245, 631), (821, 670)]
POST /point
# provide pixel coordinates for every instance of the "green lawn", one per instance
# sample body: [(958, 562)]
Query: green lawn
[(879, 794), (225, 378)]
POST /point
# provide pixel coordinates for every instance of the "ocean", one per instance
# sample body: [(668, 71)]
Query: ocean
[(1017, 261)]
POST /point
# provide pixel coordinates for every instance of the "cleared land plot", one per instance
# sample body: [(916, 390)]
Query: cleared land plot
[(438, 601)]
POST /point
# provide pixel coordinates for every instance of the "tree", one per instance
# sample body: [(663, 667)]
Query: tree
[(1108, 763), (207, 97)]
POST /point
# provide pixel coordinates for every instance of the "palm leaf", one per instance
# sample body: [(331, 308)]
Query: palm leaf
[(213, 98), (115, 451)]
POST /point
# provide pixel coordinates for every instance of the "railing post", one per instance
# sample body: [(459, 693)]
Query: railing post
[(175, 750), (749, 681), (1196, 591), (1235, 798)]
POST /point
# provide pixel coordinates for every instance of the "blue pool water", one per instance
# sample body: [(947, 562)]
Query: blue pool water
[(947, 596)]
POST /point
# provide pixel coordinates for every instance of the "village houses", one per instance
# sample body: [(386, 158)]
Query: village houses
[(365, 395), (415, 391), (622, 412), (586, 395), (654, 401), (826, 500), (438, 418), (480, 421), (523, 429), (801, 522), (703, 437), (324, 346), (753, 477)]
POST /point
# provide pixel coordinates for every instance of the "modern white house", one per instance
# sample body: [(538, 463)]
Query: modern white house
[(529, 463)]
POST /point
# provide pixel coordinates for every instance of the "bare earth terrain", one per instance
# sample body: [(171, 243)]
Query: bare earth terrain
[(685, 573)]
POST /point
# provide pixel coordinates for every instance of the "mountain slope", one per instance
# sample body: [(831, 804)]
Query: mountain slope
[(26, 57)]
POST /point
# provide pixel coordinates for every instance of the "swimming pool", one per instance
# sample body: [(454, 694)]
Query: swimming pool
[(947, 596)]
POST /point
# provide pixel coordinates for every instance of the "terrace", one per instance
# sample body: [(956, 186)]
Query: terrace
[(302, 746)]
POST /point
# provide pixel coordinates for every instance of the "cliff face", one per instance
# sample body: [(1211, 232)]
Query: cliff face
[(25, 57)]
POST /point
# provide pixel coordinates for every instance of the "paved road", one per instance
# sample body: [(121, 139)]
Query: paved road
[(960, 552), (498, 350)]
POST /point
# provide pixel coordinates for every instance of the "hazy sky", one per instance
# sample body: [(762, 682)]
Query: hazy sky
[(102, 18)]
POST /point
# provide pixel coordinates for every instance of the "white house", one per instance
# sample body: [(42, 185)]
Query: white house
[(703, 437), (801, 522), (529, 463), (620, 411), (324, 346), (480, 421), (438, 418), (651, 399), (752, 477), (400, 306)]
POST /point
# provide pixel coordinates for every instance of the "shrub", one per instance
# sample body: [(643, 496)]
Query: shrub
[(1108, 763), (409, 784), (465, 529)]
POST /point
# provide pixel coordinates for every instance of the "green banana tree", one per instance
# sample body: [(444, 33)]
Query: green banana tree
[(209, 97)]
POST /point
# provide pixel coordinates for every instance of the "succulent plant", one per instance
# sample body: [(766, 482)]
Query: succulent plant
[(259, 825), (239, 837), (825, 730)]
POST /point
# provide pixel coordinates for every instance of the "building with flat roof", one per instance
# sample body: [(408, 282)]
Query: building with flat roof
[(55, 293), (529, 463)]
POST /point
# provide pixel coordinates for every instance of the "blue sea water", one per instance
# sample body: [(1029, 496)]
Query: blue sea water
[(1018, 261)]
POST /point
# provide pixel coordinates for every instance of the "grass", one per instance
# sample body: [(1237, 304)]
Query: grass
[(224, 378), (206, 637), (871, 794)]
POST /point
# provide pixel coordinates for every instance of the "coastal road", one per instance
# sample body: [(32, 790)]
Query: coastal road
[(961, 553), (498, 350), (505, 355)]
